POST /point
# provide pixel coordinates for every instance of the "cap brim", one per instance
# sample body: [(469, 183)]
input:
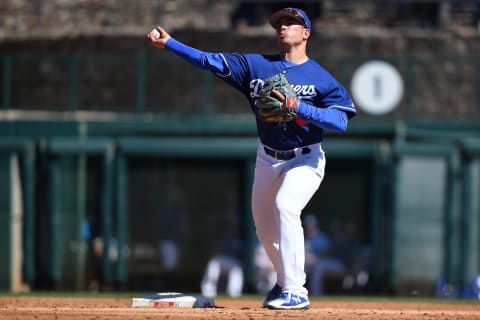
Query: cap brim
[(281, 14)]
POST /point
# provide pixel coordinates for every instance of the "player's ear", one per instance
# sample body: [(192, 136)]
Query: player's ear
[(306, 34)]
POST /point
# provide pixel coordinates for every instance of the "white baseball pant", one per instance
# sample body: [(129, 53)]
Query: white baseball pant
[(281, 190)]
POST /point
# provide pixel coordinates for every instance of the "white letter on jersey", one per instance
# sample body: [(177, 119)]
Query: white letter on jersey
[(255, 86), (305, 91)]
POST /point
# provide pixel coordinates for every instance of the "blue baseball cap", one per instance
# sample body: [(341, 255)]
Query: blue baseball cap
[(294, 13)]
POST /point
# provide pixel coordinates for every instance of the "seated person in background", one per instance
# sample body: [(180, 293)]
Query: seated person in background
[(265, 275), (319, 260), (227, 262)]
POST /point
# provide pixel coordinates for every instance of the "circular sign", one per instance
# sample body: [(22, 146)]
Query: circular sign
[(377, 87)]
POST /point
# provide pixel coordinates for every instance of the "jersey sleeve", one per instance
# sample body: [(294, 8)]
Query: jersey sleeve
[(331, 119), (331, 107), (231, 67), (337, 97), (213, 62), (237, 75)]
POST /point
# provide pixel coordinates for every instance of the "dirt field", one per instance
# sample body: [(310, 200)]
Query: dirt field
[(36, 308)]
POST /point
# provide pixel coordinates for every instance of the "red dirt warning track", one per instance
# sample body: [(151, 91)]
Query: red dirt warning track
[(99, 308)]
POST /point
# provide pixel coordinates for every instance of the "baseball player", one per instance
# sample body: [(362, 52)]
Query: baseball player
[(294, 100)]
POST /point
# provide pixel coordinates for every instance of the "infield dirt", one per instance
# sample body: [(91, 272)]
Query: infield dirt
[(99, 308)]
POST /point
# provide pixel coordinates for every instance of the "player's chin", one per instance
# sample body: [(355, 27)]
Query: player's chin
[(281, 43), (284, 42)]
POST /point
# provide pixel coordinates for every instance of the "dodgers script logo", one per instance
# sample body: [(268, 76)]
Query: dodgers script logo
[(303, 91)]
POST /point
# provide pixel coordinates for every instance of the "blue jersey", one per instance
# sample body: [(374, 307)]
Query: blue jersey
[(324, 102)]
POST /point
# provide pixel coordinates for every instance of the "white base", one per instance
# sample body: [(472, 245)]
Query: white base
[(173, 300)]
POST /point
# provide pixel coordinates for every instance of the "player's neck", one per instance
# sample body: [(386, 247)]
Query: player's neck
[(295, 54), (295, 57)]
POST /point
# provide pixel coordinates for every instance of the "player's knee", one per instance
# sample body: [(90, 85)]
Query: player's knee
[(286, 207)]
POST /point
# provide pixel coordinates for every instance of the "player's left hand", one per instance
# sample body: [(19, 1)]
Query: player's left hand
[(277, 101)]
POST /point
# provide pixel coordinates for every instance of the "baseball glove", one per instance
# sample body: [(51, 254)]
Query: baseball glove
[(277, 100)]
